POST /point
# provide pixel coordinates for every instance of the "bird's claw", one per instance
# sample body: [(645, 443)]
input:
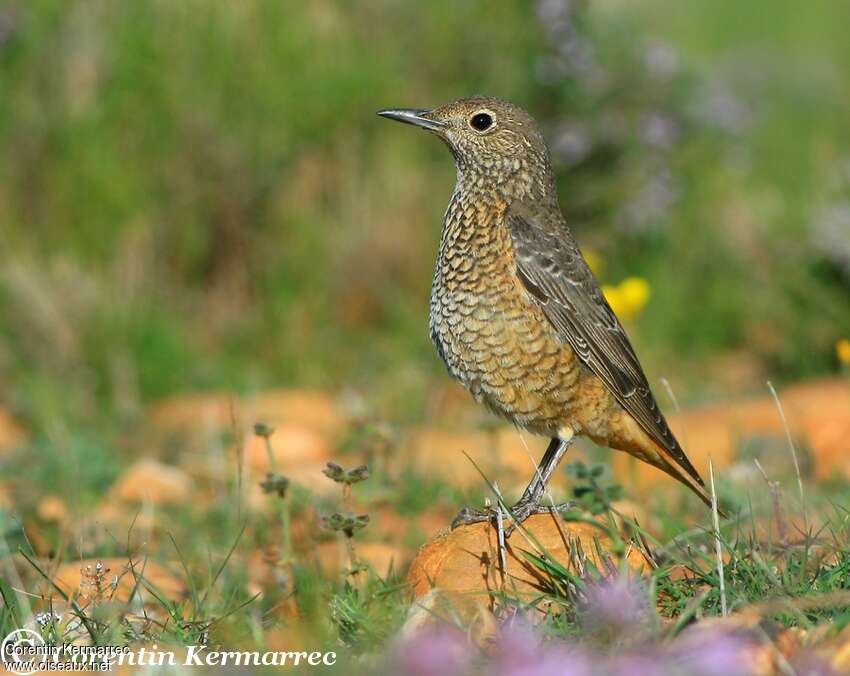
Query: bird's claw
[(521, 512), (468, 515), (518, 513)]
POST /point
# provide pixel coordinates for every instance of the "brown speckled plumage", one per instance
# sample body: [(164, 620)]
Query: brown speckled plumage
[(516, 314), (488, 330)]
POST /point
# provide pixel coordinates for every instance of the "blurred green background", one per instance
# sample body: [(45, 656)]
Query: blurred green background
[(198, 194)]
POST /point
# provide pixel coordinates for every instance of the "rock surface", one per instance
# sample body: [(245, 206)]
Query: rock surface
[(464, 563), (149, 480), (219, 411)]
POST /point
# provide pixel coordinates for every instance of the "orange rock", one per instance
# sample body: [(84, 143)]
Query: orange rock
[(52, 508), (292, 446), (439, 608), (11, 434), (200, 411), (464, 561), (118, 574), (150, 480), (216, 411), (820, 412), (317, 411), (119, 517)]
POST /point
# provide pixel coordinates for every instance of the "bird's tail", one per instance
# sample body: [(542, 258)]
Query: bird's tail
[(674, 470), (626, 435)]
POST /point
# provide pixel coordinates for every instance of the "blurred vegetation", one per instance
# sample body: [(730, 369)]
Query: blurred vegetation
[(197, 194)]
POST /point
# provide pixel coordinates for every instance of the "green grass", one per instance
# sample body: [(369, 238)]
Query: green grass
[(793, 575)]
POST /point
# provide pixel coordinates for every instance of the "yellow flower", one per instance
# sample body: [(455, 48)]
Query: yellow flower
[(629, 297), (842, 350)]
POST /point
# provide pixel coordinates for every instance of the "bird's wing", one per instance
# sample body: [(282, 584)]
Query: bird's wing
[(552, 269)]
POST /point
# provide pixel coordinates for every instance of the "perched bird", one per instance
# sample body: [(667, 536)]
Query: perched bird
[(516, 314)]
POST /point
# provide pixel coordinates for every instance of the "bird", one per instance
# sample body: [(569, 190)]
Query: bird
[(516, 313)]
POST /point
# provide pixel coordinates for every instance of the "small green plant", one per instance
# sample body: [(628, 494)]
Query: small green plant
[(592, 494), (347, 522), (346, 476), (275, 483)]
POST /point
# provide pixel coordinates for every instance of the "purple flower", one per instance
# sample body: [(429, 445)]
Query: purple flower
[(522, 651), (571, 145), (518, 642), (443, 651), (714, 652), (649, 207), (660, 130), (721, 109), (636, 664), (552, 662), (661, 60), (615, 603)]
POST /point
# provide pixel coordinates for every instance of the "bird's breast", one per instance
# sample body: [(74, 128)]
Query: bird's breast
[(488, 330)]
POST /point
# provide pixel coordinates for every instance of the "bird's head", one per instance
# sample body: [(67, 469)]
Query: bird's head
[(496, 144)]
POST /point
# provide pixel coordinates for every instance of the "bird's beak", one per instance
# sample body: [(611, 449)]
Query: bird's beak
[(414, 116)]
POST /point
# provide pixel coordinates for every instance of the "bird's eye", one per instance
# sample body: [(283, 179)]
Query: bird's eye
[(481, 121)]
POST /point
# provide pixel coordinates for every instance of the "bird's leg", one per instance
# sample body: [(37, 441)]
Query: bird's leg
[(529, 503)]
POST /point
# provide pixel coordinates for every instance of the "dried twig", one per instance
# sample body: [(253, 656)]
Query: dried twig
[(777, 504), (718, 547), (793, 454)]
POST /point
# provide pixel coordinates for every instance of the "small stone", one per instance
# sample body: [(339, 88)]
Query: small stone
[(149, 480), (209, 413), (292, 446), (53, 509), (194, 412), (317, 411)]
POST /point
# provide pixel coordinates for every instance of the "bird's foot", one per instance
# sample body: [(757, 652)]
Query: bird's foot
[(468, 515), (524, 509), (518, 513)]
